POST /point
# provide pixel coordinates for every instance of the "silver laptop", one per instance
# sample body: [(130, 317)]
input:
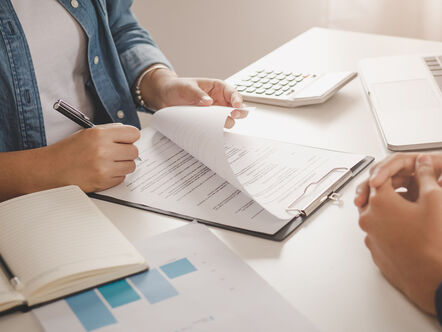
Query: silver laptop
[(405, 95)]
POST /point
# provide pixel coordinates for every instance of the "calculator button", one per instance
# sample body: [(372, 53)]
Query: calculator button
[(261, 75), (255, 79), (265, 80), (287, 74), (253, 74), (292, 84), (251, 90), (277, 87), (299, 79), (291, 78), (260, 91), (240, 88), (248, 84), (280, 77), (287, 87), (284, 82), (269, 71), (270, 92), (279, 93), (278, 72), (272, 76), (260, 70), (274, 81), (297, 74), (267, 86), (257, 85)]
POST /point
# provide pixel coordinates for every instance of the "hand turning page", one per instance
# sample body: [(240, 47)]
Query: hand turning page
[(273, 174), (193, 168)]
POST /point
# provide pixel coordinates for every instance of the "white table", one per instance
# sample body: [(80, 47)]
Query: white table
[(323, 269)]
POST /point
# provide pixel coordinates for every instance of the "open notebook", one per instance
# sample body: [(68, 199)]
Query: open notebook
[(195, 169), (57, 242)]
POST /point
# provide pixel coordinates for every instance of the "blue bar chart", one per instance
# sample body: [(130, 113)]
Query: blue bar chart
[(178, 268), (154, 286), (90, 310), (118, 293), (94, 311)]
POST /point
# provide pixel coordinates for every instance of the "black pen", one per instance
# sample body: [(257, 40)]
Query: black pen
[(14, 280), (71, 113), (75, 115)]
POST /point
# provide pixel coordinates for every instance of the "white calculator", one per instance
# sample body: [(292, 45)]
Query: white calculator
[(289, 89)]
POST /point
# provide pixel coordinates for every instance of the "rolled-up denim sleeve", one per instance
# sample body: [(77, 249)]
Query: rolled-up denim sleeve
[(135, 46)]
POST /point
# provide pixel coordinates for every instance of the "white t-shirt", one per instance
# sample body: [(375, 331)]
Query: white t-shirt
[(58, 48)]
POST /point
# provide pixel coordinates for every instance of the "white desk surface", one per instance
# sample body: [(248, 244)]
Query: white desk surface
[(323, 269)]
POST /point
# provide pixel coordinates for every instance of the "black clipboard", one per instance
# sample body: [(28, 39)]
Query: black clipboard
[(280, 235)]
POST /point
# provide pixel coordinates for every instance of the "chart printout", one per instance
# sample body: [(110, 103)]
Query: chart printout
[(195, 283)]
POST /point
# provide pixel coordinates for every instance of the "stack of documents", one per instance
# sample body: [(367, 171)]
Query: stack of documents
[(194, 169)]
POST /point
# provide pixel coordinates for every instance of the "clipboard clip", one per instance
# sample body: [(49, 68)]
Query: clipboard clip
[(334, 196)]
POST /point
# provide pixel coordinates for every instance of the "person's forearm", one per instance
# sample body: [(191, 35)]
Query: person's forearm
[(23, 172)]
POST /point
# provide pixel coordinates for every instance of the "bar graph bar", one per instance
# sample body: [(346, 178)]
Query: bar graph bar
[(154, 286), (118, 293), (178, 268), (90, 310), (93, 313)]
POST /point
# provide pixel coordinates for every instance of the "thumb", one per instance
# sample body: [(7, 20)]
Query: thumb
[(197, 96), (425, 175)]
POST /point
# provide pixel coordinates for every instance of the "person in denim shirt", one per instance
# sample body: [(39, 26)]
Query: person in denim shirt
[(404, 230), (119, 51)]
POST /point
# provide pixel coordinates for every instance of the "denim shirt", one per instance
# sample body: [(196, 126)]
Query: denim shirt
[(123, 50)]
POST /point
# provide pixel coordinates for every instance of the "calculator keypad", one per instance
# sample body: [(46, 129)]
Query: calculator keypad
[(271, 83)]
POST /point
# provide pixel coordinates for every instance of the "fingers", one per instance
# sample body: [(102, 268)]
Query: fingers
[(401, 164), (123, 152), (239, 114), (389, 167), (362, 193), (229, 123), (425, 175), (193, 94), (118, 133), (363, 189), (222, 93), (231, 96)]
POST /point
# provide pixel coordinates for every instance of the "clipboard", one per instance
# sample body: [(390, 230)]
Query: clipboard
[(300, 215)]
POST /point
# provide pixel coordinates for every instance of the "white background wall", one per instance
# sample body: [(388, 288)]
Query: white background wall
[(216, 38)]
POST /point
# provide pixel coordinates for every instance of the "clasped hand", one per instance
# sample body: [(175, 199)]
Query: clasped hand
[(404, 227)]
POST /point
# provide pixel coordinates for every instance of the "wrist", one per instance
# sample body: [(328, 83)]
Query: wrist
[(148, 88)]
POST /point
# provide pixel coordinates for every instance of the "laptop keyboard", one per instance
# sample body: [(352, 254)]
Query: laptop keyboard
[(434, 64)]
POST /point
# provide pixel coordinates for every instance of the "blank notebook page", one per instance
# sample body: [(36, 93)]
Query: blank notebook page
[(48, 235)]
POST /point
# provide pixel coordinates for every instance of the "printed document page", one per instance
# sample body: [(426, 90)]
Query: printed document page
[(273, 174), (195, 283), (170, 179), (197, 169)]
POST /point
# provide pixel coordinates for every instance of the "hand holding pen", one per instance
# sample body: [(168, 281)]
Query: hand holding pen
[(95, 159), (75, 115)]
